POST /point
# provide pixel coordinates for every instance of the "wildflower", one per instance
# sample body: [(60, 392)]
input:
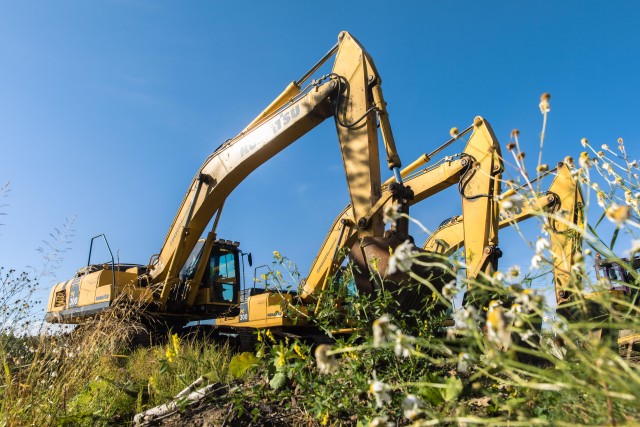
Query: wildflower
[(453, 132), (601, 198), (568, 160), (463, 362), (326, 363), (411, 407), (450, 290), (541, 244), (513, 203), (381, 421), (584, 142), (521, 155), (544, 103), (543, 168), (269, 335), (620, 141), (383, 330), (525, 335), (584, 160), (465, 317), (402, 258), (277, 255), (498, 276), (600, 154), (497, 326), (404, 345), (633, 164), (299, 352), (325, 419), (535, 261), (391, 214), (175, 342), (618, 214), (515, 133), (379, 390), (635, 246), (605, 147), (511, 146), (513, 272), (170, 355)]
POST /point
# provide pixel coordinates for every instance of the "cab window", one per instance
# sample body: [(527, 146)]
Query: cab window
[(221, 276)]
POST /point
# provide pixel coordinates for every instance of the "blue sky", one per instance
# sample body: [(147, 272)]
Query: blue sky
[(107, 108)]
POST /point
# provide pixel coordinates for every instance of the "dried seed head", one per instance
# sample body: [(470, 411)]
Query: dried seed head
[(544, 103), (569, 161), (511, 146), (584, 142), (521, 155), (584, 159), (620, 141), (515, 133), (543, 168), (453, 132)]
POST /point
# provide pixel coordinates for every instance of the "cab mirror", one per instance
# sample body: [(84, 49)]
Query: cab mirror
[(250, 259)]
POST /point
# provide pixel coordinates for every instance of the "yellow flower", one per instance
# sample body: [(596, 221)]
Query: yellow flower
[(453, 132), (299, 352), (269, 335), (325, 419), (170, 355), (175, 341), (584, 159)]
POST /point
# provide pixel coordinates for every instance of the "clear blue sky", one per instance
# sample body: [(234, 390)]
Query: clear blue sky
[(107, 108)]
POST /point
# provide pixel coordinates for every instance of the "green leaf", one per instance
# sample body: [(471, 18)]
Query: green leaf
[(278, 380), (242, 363), (453, 389), (614, 238)]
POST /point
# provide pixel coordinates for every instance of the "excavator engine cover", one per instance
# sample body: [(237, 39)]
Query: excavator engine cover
[(409, 293)]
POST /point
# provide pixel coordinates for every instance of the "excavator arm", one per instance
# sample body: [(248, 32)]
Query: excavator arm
[(476, 171)]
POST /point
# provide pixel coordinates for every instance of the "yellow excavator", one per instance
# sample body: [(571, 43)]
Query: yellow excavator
[(193, 278)]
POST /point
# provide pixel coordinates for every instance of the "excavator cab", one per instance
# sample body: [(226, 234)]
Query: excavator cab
[(214, 271), (616, 274)]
